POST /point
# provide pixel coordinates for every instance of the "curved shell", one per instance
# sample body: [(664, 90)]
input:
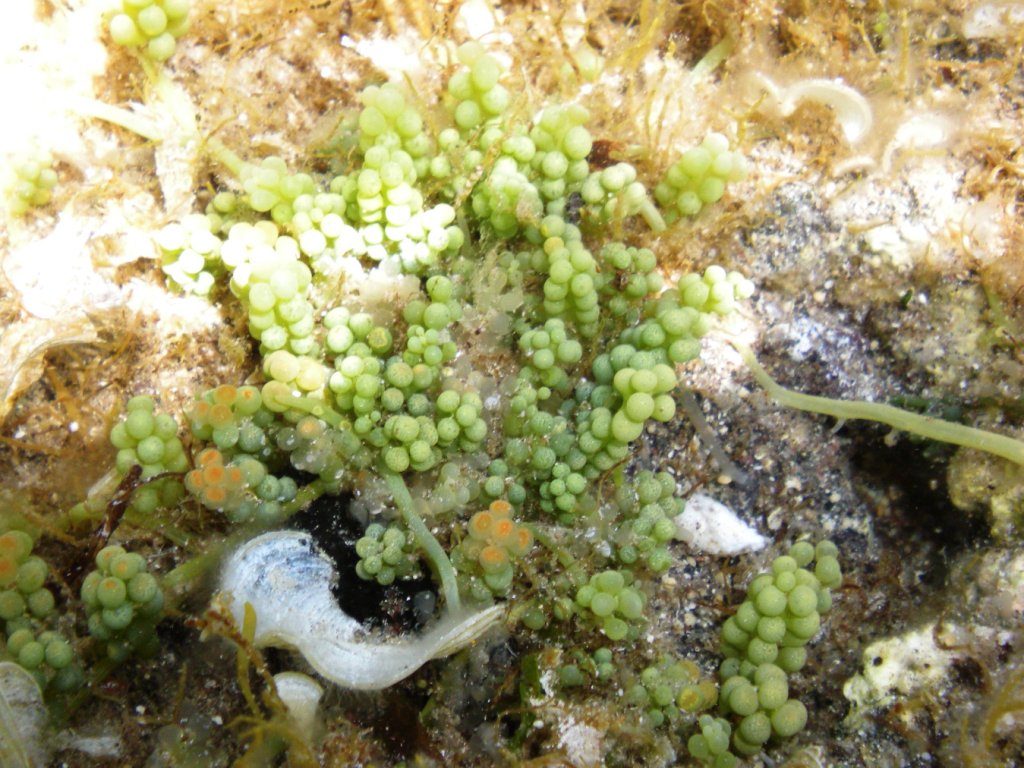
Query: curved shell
[(22, 719), (288, 581)]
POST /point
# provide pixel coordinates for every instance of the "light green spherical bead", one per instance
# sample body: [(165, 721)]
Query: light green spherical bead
[(792, 659), (733, 635), (603, 604), (630, 604), (18, 640), (59, 654), (31, 655), (543, 359), (111, 592), (118, 619), (639, 407), (12, 605), (31, 575), (771, 629), (772, 694), (804, 627), (770, 601), (150, 450), (624, 430), (755, 728), (420, 452), (139, 424), (802, 601), (789, 719), (826, 548), (40, 603), (747, 617), (124, 31), (824, 600), (577, 143), (828, 571), (742, 698), (161, 48), (615, 629), (397, 459), (152, 20), (142, 588), (761, 652), (785, 581), (802, 552), (610, 581)]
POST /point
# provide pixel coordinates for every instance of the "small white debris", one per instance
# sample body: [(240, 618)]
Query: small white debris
[(851, 109), (102, 746), (897, 666), (582, 743), (995, 20), (711, 527)]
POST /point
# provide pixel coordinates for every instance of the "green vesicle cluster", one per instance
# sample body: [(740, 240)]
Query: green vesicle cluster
[(647, 506), (613, 193), (699, 177), (668, 690), (48, 656), (764, 643), (314, 446), (233, 419), (152, 25), (614, 603), (29, 181), (272, 284), (484, 558), (550, 352), (579, 667), (270, 188), (190, 254), (710, 745), (22, 580), (148, 439), (445, 309), (477, 96), (27, 608), (242, 487), (123, 603), (386, 553)]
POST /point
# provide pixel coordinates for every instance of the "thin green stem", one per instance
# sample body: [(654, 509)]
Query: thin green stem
[(906, 421), (226, 157), (131, 121), (279, 396), (185, 576), (713, 58), (425, 539), (174, 534), (307, 495), (565, 559), (652, 216)]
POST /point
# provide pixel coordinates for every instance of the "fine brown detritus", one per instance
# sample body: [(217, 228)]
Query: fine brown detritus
[(98, 539), (116, 507), (601, 153)]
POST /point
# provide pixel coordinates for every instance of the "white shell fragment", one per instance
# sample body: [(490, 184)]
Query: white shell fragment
[(301, 695), (22, 718), (851, 109), (287, 580), (711, 527)]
